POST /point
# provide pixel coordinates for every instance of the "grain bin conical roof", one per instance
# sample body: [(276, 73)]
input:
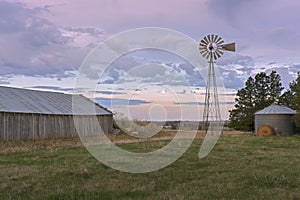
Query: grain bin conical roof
[(276, 109)]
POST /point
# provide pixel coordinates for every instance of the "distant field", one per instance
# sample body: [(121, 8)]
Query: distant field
[(239, 167)]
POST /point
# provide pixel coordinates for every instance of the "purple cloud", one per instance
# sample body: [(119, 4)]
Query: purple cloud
[(48, 38), (32, 45)]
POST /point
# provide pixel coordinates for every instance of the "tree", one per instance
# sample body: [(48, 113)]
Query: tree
[(286, 99), (291, 98), (261, 87), (257, 94), (275, 87), (241, 116)]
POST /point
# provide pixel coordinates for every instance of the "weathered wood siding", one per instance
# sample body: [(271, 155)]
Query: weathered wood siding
[(22, 126)]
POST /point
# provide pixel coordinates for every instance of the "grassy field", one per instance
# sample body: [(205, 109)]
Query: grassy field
[(239, 167)]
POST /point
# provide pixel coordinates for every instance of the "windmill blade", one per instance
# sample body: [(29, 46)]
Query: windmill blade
[(212, 37), (206, 40), (208, 56), (202, 45), (219, 53), (215, 56), (203, 42), (215, 39), (220, 42), (202, 49), (209, 39), (202, 52), (205, 54)]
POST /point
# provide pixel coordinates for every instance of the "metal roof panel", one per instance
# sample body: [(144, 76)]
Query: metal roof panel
[(276, 109), (32, 101)]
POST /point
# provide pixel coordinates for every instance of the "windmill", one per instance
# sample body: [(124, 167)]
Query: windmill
[(211, 48)]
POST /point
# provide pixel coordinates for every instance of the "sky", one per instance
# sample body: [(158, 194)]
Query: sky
[(43, 43)]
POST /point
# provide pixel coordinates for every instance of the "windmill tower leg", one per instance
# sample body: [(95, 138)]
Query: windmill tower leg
[(205, 122), (211, 112), (215, 115)]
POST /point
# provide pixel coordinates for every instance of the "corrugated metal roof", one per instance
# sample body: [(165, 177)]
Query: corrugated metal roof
[(276, 109), (31, 101)]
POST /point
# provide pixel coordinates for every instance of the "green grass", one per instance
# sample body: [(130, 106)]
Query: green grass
[(239, 167)]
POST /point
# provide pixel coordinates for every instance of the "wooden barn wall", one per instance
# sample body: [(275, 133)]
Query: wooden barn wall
[(22, 126)]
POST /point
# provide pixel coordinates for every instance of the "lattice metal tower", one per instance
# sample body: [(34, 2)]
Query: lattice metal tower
[(211, 48)]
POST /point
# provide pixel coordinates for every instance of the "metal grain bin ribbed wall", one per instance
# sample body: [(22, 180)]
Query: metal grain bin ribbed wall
[(277, 117)]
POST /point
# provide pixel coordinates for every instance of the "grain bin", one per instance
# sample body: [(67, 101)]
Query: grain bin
[(274, 119)]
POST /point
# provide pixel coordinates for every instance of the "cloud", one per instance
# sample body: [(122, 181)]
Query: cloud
[(202, 103), (228, 10), (150, 67), (111, 102), (84, 36), (4, 82), (234, 69), (265, 29), (53, 88), (32, 45), (232, 79), (115, 15), (250, 14), (236, 59), (109, 92), (288, 73), (49, 38)]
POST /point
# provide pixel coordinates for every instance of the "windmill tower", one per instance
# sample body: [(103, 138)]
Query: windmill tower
[(211, 48)]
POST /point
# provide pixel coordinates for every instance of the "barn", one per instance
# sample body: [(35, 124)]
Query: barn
[(274, 120), (30, 114)]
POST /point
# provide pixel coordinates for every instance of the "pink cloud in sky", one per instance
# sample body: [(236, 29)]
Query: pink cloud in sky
[(250, 22), (45, 37), (114, 15)]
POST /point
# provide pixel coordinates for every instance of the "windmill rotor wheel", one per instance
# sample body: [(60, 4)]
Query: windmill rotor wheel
[(265, 130), (211, 46)]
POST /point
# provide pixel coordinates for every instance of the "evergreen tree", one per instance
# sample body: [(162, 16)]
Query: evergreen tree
[(257, 94), (261, 87), (275, 87), (291, 98), (241, 116), (287, 98)]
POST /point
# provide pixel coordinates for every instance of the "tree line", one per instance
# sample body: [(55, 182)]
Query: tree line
[(260, 92)]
